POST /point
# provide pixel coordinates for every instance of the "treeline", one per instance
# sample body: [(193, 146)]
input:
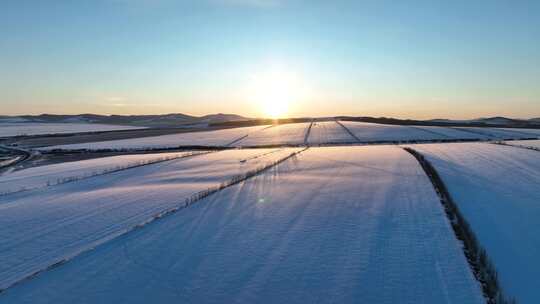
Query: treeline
[(483, 269), (406, 122)]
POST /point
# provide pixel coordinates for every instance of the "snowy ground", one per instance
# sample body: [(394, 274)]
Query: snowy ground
[(293, 133), (13, 129), (43, 226), (535, 144), (42, 176), (497, 188), (222, 137), (354, 225), (328, 132)]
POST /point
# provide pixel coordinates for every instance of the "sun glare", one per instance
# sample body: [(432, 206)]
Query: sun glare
[(274, 92)]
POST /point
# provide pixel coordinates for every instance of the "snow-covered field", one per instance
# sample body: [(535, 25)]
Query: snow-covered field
[(27, 128), (534, 144), (369, 132), (501, 133), (497, 188), (222, 137), (452, 133), (525, 132), (328, 132), (42, 176), (340, 225), (43, 226), (293, 133)]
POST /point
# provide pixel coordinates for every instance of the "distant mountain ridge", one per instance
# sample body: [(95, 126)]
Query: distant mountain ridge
[(229, 120), (163, 120)]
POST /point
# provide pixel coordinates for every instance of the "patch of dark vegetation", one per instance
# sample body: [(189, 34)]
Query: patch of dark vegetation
[(482, 268)]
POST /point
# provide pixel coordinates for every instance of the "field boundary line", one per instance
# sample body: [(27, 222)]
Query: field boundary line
[(348, 131), (483, 269), (192, 199)]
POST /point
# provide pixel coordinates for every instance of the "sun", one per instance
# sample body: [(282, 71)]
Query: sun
[(274, 92)]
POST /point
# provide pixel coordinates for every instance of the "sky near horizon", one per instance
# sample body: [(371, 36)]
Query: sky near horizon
[(407, 59)]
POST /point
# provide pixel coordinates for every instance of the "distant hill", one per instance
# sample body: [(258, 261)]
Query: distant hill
[(490, 121), (498, 120), (164, 120)]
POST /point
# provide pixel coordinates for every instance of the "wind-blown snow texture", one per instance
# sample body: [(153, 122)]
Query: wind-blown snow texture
[(221, 137), (355, 225), (293, 133), (497, 189), (37, 177), (41, 227), (14, 129), (328, 132)]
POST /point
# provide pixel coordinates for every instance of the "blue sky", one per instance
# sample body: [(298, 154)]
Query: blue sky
[(417, 59)]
